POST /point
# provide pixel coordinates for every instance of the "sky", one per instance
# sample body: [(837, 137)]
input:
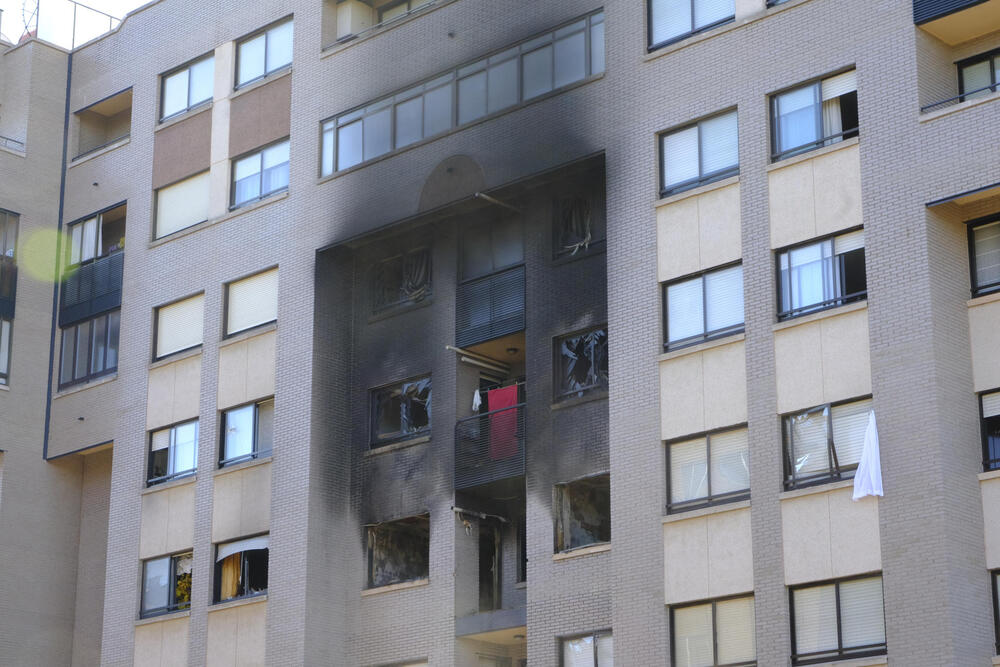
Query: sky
[(56, 18)]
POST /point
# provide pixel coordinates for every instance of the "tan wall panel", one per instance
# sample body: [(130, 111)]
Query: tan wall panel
[(182, 149), (707, 556), (699, 232), (703, 390), (984, 336), (827, 535), (246, 370), (260, 116), (990, 489), (173, 392), (236, 636), (241, 503), (167, 524), (846, 356), (161, 644), (68, 433)]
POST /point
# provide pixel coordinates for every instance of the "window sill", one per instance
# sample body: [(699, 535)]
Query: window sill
[(400, 309), (86, 157), (996, 660), (242, 465), (823, 487), (580, 552), (598, 247), (161, 618), (521, 585), (958, 108), (701, 347), (699, 190), (683, 41), (403, 444), (181, 117), (814, 153), (6, 387), (176, 356), (240, 602), (988, 475), (380, 29), (854, 662), (172, 484), (247, 334), (983, 299), (391, 588), (820, 315), (262, 81), (76, 388), (181, 233), (717, 508), (4, 149), (573, 401)]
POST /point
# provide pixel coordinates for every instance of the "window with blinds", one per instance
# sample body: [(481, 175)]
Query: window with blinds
[(260, 174), (5, 326), (252, 301), (710, 468), (991, 430), (979, 76), (841, 619), (187, 87), (248, 432), (179, 326), (719, 632), (819, 113), (703, 307), (824, 443), (593, 650), (173, 452), (984, 242), (182, 204), (822, 274), (673, 20), (700, 153)]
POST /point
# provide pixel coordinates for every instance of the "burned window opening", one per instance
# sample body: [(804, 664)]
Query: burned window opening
[(490, 565), (577, 226), (583, 513), (583, 362), (241, 568), (398, 551), (401, 411), (401, 280)]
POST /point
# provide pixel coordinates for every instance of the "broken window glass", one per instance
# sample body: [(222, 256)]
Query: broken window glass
[(583, 512), (398, 551), (241, 568), (824, 443), (401, 410), (400, 280), (583, 362)]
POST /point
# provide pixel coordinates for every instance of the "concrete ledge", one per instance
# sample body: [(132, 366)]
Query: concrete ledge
[(704, 511), (582, 551), (701, 347), (818, 488), (820, 315), (983, 300), (391, 588), (229, 604), (180, 481), (990, 474), (83, 387), (242, 465), (385, 449), (928, 116), (490, 621), (172, 616), (80, 159), (247, 334), (694, 192), (814, 153)]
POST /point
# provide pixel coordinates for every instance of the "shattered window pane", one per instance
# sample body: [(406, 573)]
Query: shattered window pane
[(583, 513), (583, 362), (401, 410), (398, 551), (577, 225), (403, 279)]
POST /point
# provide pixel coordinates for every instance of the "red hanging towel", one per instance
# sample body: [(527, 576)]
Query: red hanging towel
[(503, 425)]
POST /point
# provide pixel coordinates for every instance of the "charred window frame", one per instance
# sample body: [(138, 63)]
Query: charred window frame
[(6, 350), (173, 452), (979, 75), (984, 254), (708, 469), (398, 551), (400, 411), (989, 416), (719, 638), (166, 584), (819, 113), (582, 513), (821, 273), (522, 549), (581, 363), (856, 611), (247, 432), (703, 307), (594, 649), (89, 349), (579, 225), (824, 444), (402, 280), (241, 568)]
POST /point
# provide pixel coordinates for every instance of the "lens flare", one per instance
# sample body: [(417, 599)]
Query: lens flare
[(37, 256)]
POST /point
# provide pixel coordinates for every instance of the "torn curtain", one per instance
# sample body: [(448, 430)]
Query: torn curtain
[(503, 425)]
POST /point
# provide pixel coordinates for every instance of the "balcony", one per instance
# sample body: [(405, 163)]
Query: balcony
[(489, 447), (957, 21), (490, 307), (8, 287), (93, 288)]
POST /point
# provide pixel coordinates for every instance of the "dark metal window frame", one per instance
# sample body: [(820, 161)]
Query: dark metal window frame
[(694, 31), (606, 632), (255, 452), (840, 653), (172, 605), (261, 195), (702, 178), (5, 374), (995, 581), (186, 66), (100, 223), (705, 336), (971, 225), (374, 442), (90, 375), (835, 472), (561, 394), (715, 629), (402, 302), (244, 570), (5, 230), (992, 57), (262, 31), (989, 463), (156, 327), (784, 315), (779, 155), (710, 499), (169, 477)]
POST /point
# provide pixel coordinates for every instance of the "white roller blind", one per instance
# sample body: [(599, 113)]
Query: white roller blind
[(680, 156), (578, 652), (688, 470), (179, 325), (605, 651), (849, 425), (734, 620), (252, 301), (693, 636), (182, 204), (685, 310), (861, 618), (669, 19), (707, 12), (986, 239), (991, 404), (719, 139), (730, 462), (724, 298), (161, 440), (848, 242), (815, 619), (249, 544), (839, 85)]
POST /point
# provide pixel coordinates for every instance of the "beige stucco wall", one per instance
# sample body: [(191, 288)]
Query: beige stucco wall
[(699, 232), (703, 390), (67, 432), (984, 336), (815, 197), (236, 635), (707, 556), (173, 392), (827, 535), (822, 360), (246, 370), (989, 485), (167, 521), (162, 644), (241, 502)]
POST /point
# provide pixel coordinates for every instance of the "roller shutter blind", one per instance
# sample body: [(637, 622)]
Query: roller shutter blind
[(182, 204), (179, 325), (861, 617), (991, 404), (735, 640), (252, 301), (693, 636)]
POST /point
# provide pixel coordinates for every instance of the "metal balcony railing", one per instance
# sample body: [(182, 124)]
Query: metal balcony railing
[(8, 287), (490, 307), (971, 95), (489, 447), (92, 288), (12, 144)]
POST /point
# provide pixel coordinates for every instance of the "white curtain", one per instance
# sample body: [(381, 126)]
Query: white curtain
[(868, 478)]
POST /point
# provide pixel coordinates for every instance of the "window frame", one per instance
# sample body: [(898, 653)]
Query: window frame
[(373, 441), (370, 553), (715, 627), (828, 304), (842, 653), (598, 212), (992, 56), (650, 46), (701, 179), (559, 489), (255, 452), (244, 569), (401, 303), (226, 334), (90, 375), (989, 464), (836, 472), (706, 336), (170, 477), (186, 66), (11, 221), (995, 580), (156, 326), (559, 393), (98, 217), (5, 373), (237, 84), (710, 500), (971, 226), (606, 632), (845, 134), (172, 604), (261, 195)]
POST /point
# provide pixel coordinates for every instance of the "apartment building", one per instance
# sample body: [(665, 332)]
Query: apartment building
[(486, 334)]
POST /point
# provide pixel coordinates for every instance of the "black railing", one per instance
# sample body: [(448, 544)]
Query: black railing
[(104, 145), (813, 145), (992, 88), (490, 307), (8, 287), (822, 305), (91, 288), (489, 447)]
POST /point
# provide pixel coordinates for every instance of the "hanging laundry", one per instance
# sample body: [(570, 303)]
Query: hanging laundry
[(477, 400), (503, 424), (868, 477)]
